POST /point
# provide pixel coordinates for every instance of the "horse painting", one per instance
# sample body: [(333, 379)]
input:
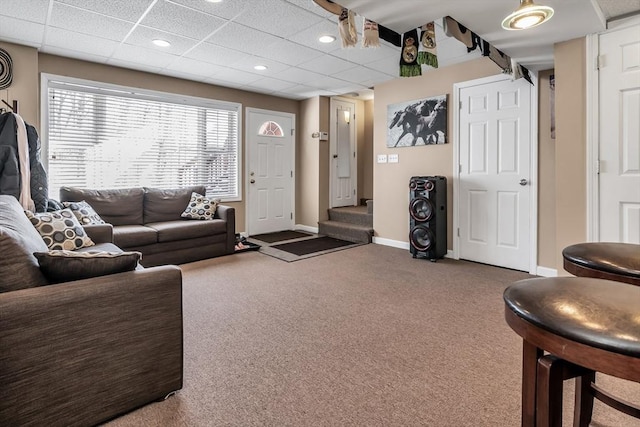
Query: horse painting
[(424, 120)]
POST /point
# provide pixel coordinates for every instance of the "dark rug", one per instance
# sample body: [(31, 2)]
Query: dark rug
[(280, 236), (308, 246)]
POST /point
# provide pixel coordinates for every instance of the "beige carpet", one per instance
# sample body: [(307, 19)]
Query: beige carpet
[(367, 336)]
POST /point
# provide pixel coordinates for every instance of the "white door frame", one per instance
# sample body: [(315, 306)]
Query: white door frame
[(332, 146), (593, 126), (533, 202), (247, 151)]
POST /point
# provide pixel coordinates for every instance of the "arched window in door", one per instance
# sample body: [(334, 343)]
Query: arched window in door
[(270, 128)]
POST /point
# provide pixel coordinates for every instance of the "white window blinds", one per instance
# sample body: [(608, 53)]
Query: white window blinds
[(105, 137)]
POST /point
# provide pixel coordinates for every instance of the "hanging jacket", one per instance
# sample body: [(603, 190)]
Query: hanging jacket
[(9, 163)]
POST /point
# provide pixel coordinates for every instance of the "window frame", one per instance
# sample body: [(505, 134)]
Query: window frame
[(139, 93)]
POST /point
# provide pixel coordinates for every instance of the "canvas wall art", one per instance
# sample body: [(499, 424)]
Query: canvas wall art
[(418, 122)]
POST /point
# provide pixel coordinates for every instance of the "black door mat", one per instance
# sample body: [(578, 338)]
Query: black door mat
[(309, 246), (280, 236)]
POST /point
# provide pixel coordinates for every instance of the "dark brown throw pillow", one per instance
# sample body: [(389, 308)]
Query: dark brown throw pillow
[(65, 266)]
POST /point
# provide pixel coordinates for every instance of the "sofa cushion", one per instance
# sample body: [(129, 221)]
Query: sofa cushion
[(167, 204), (200, 207), (60, 229), (117, 207), (181, 230), (84, 212), (18, 241), (126, 236), (64, 266)]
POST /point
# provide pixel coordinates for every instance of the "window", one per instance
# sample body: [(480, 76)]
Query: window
[(270, 129), (103, 136)]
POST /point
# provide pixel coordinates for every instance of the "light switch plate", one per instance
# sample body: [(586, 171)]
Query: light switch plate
[(382, 158), (393, 158)]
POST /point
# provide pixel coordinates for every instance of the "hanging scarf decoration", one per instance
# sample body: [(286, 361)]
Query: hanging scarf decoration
[(427, 50), (409, 66), (470, 39), (370, 34), (347, 28)]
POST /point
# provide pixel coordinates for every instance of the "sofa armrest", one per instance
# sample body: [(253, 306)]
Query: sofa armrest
[(228, 214), (100, 233), (82, 352)]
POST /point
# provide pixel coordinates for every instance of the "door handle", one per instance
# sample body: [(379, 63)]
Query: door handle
[(253, 181), (523, 181)]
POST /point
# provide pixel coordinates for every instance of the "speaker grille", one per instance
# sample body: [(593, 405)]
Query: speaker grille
[(421, 209)]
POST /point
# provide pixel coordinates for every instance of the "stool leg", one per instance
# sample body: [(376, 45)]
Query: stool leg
[(549, 392), (530, 356), (583, 409)]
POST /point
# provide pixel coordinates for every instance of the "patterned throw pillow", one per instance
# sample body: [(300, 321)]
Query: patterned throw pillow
[(65, 266), (60, 229), (200, 207), (84, 212)]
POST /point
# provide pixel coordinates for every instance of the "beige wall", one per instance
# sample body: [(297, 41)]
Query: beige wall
[(570, 146), (391, 180), (25, 84), (546, 176), (324, 163), (308, 163), (365, 154)]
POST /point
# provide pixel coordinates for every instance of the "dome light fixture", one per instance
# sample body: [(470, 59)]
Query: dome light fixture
[(260, 67), (161, 43), (528, 15)]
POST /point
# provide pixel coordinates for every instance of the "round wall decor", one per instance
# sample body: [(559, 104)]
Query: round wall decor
[(6, 69)]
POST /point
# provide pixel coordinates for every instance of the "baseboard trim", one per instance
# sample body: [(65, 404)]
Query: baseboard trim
[(307, 228), (546, 272), (388, 242)]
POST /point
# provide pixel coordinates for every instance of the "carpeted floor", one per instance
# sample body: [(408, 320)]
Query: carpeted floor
[(367, 336)]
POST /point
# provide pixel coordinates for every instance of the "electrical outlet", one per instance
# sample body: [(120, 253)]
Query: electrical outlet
[(382, 158)]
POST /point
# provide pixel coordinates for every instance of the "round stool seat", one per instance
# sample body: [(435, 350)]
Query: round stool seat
[(595, 312), (613, 261)]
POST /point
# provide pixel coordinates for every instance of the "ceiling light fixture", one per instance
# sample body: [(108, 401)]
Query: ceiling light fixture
[(161, 43), (528, 15), (326, 39), (214, 1), (260, 67)]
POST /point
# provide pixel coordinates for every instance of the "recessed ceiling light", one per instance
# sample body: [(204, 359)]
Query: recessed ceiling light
[(260, 67), (214, 1), (161, 43), (327, 39)]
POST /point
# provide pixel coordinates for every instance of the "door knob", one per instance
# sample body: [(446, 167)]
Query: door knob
[(523, 181), (253, 181), (335, 156)]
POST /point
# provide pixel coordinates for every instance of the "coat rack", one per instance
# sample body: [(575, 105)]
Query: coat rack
[(13, 107)]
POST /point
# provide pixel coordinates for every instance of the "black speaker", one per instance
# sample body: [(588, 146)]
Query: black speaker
[(428, 217)]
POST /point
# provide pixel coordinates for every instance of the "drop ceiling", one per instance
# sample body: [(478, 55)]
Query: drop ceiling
[(220, 43)]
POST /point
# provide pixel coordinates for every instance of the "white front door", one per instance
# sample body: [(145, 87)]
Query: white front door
[(619, 136), (494, 166), (343, 153), (270, 177)]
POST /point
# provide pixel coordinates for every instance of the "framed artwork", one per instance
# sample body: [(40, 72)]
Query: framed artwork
[(418, 122)]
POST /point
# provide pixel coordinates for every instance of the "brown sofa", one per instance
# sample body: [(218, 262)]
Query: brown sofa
[(148, 220), (82, 352)]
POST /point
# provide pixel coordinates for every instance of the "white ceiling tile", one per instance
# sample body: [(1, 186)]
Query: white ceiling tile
[(298, 75), (134, 66), (277, 17), (253, 89), (270, 84), (363, 75), (328, 83), (126, 10), (365, 55), (248, 62), (354, 88), (145, 57), (21, 32), (221, 82), (194, 67), (241, 77), (81, 21), (290, 53), (309, 36), (181, 20), (144, 36), (327, 65), (57, 37), (242, 38), (184, 75), (225, 9), (215, 54), (32, 10), (68, 53), (387, 66)]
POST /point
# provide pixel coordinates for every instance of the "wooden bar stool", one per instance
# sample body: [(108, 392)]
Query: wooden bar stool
[(585, 325), (611, 261)]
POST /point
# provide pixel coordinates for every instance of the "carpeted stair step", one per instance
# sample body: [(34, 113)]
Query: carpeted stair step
[(346, 231), (356, 215)]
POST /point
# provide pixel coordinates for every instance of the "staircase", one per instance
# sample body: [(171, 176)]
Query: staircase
[(351, 223)]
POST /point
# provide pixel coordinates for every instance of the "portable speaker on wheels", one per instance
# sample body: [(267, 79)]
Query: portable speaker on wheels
[(428, 217)]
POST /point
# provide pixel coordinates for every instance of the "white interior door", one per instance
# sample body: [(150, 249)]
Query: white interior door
[(494, 180), (619, 136), (344, 172), (270, 175)]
